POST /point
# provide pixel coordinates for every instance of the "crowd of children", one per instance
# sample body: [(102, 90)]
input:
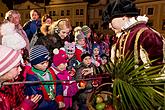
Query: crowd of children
[(53, 57)]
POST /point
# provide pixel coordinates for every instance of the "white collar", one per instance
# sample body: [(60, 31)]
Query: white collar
[(133, 21)]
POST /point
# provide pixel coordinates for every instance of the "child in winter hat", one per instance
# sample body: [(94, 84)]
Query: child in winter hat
[(96, 54), (80, 46), (70, 88), (10, 37), (12, 96), (40, 71), (86, 30)]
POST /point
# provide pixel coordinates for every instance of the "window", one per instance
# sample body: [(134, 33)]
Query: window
[(62, 12), (77, 23), (150, 23), (81, 12), (163, 25), (100, 12), (28, 7), (68, 12), (96, 25), (54, 13), (77, 11), (1, 14), (50, 13), (150, 11), (81, 23), (139, 11)]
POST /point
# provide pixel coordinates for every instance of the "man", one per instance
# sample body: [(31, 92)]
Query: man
[(145, 43)]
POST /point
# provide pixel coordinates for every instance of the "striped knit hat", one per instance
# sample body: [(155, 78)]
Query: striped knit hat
[(86, 30), (38, 54), (9, 58)]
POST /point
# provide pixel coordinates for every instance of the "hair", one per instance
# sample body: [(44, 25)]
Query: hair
[(60, 25), (45, 17), (32, 11), (9, 14)]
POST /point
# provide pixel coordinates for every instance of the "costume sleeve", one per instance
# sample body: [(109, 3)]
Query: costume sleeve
[(152, 43)]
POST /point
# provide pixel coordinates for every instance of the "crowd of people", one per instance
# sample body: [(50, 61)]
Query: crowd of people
[(60, 56)]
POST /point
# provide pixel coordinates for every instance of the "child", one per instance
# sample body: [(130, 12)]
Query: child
[(72, 62), (80, 46), (96, 60), (59, 65), (85, 70), (51, 92), (12, 96)]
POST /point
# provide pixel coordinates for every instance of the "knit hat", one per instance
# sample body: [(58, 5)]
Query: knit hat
[(119, 8), (95, 45), (79, 36), (85, 54), (104, 56), (10, 37), (86, 30), (59, 57), (9, 58), (38, 54)]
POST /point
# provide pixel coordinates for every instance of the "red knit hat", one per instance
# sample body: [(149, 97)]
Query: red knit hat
[(59, 57), (9, 58)]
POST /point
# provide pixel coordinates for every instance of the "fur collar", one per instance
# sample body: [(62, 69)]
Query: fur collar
[(134, 21)]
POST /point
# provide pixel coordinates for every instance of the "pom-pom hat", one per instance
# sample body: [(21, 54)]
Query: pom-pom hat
[(119, 8), (10, 37), (38, 54), (59, 57), (9, 58)]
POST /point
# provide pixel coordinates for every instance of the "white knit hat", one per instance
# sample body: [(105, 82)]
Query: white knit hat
[(8, 59), (10, 37)]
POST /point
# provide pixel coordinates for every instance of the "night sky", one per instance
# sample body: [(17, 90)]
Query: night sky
[(10, 3)]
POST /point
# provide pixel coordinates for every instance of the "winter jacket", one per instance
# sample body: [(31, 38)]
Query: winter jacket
[(12, 97), (70, 88), (45, 103)]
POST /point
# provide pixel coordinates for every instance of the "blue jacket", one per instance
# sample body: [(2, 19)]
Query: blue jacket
[(45, 103)]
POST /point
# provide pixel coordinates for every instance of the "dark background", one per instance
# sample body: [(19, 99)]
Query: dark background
[(10, 3)]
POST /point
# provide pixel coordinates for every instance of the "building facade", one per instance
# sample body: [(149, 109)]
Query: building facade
[(75, 10), (3, 10), (81, 13)]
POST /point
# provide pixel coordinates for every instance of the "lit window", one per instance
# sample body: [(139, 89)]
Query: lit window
[(77, 23), (62, 12), (1, 14), (150, 11), (54, 13), (81, 12), (77, 11), (68, 12), (81, 23), (50, 13)]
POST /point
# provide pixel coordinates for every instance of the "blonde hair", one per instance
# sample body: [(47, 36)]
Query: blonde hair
[(10, 13), (60, 25)]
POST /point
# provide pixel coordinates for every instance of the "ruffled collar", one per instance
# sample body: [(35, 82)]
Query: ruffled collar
[(134, 21)]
